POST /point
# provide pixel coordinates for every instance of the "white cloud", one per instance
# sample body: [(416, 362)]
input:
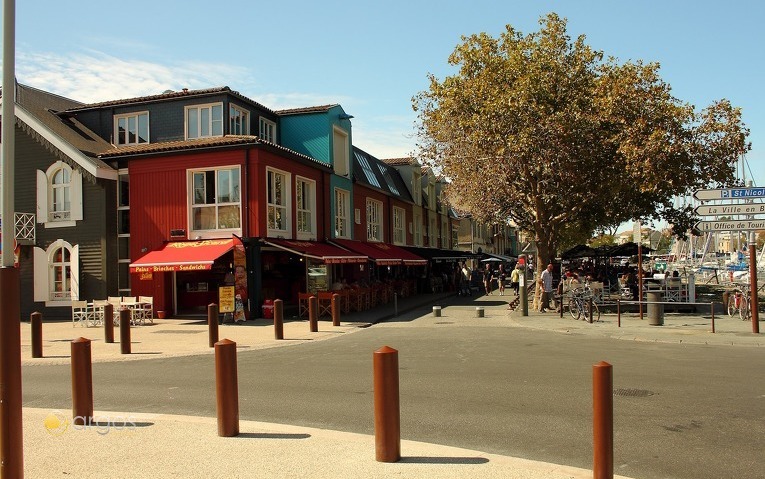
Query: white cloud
[(93, 76)]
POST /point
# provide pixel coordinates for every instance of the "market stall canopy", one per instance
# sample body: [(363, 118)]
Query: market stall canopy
[(627, 249), (438, 255), (183, 256), (579, 251), (382, 253), (496, 257), (317, 250)]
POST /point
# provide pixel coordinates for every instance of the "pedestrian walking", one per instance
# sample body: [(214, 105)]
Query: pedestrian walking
[(515, 278), (546, 282)]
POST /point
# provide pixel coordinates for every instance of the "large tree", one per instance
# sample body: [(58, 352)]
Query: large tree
[(545, 131)]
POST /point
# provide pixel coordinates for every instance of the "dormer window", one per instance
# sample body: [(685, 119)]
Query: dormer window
[(239, 121), (204, 121), (267, 130), (131, 128)]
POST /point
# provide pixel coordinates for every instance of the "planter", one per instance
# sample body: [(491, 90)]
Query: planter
[(161, 315)]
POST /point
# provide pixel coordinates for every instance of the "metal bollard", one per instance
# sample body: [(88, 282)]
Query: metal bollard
[(386, 405), (589, 310), (313, 313), (82, 382), (712, 309), (336, 310), (603, 421), (212, 324), (125, 331), (278, 319), (618, 313), (479, 312), (437, 311), (226, 388), (395, 304), (108, 323), (35, 319)]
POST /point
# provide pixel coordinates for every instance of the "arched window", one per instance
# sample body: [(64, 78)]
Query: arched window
[(56, 273), (60, 273), (61, 193), (59, 196)]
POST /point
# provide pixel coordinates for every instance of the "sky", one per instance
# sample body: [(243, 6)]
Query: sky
[(373, 57)]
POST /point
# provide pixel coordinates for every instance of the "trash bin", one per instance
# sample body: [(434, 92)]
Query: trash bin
[(437, 311), (655, 311), (479, 312)]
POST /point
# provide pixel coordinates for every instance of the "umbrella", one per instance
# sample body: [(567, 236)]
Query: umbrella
[(487, 260), (579, 251)]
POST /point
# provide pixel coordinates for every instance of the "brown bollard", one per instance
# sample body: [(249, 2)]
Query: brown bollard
[(712, 308), (35, 319), (82, 382), (212, 324), (313, 312), (603, 421), (226, 388), (125, 346), (618, 313), (108, 323), (335, 310), (387, 408), (278, 319), (589, 310)]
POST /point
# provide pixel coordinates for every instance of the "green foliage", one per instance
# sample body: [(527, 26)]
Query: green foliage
[(566, 143)]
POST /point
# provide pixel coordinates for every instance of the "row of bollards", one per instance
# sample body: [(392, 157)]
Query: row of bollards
[(387, 408), (35, 320)]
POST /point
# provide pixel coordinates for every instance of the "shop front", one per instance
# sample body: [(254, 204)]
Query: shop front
[(291, 267), (188, 274)]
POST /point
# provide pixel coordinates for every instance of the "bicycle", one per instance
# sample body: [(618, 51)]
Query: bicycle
[(739, 302), (579, 305)]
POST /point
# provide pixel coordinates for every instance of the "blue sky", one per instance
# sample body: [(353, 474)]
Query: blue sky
[(372, 57)]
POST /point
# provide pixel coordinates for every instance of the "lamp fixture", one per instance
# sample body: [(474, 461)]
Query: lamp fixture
[(344, 116)]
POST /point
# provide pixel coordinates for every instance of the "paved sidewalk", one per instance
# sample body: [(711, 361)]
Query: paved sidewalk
[(176, 446)]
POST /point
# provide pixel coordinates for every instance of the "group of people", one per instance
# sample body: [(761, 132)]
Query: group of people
[(500, 275)]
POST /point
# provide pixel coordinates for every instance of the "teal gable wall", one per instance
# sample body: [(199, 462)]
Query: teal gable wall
[(308, 134), (312, 134)]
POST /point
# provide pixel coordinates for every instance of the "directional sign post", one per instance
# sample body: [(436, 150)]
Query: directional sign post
[(729, 194), (730, 225), (731, 209)]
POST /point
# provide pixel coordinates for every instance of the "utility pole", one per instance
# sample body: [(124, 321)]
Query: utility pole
[(11, 426)]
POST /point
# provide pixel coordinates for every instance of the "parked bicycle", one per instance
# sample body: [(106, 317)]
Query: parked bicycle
[(739, 302), (581, 305)]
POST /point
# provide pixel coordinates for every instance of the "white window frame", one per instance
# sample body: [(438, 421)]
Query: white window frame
[(281, 204), (305, 208), (399, 220), (455, 237), (417, 229), (341, 153), (417, 188), (374, 220), (216, 204), (342, 213), (46, 213), (267, 130), (127, 116), (445, 238), (44, 278), (123, 262), (238, 120), (212, 122)]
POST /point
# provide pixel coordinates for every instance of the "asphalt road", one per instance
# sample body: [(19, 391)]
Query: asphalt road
[(681, 411)]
